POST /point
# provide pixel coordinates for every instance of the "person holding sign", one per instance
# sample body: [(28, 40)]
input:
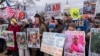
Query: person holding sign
[(24, 26), (15, 28), (38, 24)]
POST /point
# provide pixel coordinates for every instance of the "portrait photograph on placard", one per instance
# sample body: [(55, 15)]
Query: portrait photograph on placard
[(89, 7), (21, 39), (33, 38), (74, 43), (95, 42), (10, 38)]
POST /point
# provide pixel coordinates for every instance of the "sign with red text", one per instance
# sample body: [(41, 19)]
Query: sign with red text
[(53, 9)]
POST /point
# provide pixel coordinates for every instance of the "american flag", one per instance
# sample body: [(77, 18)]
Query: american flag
[(10, 11)]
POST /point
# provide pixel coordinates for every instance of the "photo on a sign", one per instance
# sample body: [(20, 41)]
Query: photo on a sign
[(33, 37), (21, 40), (95, 42), (9, 36), (89, 7), (74, 43), (4, 27)]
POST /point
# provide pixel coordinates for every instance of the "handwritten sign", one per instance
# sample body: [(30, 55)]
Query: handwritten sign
[(52, 43)]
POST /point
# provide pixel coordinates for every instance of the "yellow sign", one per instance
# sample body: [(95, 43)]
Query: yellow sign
[(75, 14)]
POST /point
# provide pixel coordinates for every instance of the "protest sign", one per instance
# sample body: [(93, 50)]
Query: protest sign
[(52, 43), (74, 43), (75, 14), (81, 24), (97, 7), (89, 7), (33, 37), (3, 28), (21, 40), (53, 9), (9, 36), (31, 11), (76, 3), (95, 42)]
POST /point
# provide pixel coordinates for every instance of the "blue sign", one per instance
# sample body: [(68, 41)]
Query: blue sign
[(81, 24)]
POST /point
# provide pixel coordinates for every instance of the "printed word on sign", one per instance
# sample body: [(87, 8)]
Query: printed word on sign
[(53, 7), (79, 23)]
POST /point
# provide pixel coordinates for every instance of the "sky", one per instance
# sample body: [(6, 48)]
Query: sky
[(42, 3), (72, 3)]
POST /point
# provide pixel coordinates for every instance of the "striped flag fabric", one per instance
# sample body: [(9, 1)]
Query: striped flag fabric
[(10, 11)]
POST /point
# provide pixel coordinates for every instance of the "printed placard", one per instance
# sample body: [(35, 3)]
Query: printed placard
[(9, 36), (74, 43), (33, 38), (53, 9), (21, 40), (81, 24), (94, 42)]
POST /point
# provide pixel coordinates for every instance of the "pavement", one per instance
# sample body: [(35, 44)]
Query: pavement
[(3, 54)]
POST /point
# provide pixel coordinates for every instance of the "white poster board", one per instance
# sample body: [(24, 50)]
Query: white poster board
[(97, 7), (52, 43)]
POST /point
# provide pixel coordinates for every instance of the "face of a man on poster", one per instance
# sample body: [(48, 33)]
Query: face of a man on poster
[(22, 40), (10, 38), (33, 38)]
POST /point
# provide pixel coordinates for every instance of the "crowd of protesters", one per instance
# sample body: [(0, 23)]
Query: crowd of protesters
[(51, 25)]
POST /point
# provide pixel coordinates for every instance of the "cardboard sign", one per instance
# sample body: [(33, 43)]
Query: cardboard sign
[(33, 38), (81, 24), (21, 40), (53, 9), (52, 43), (74, 43), (75, 14), (95, 42)]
